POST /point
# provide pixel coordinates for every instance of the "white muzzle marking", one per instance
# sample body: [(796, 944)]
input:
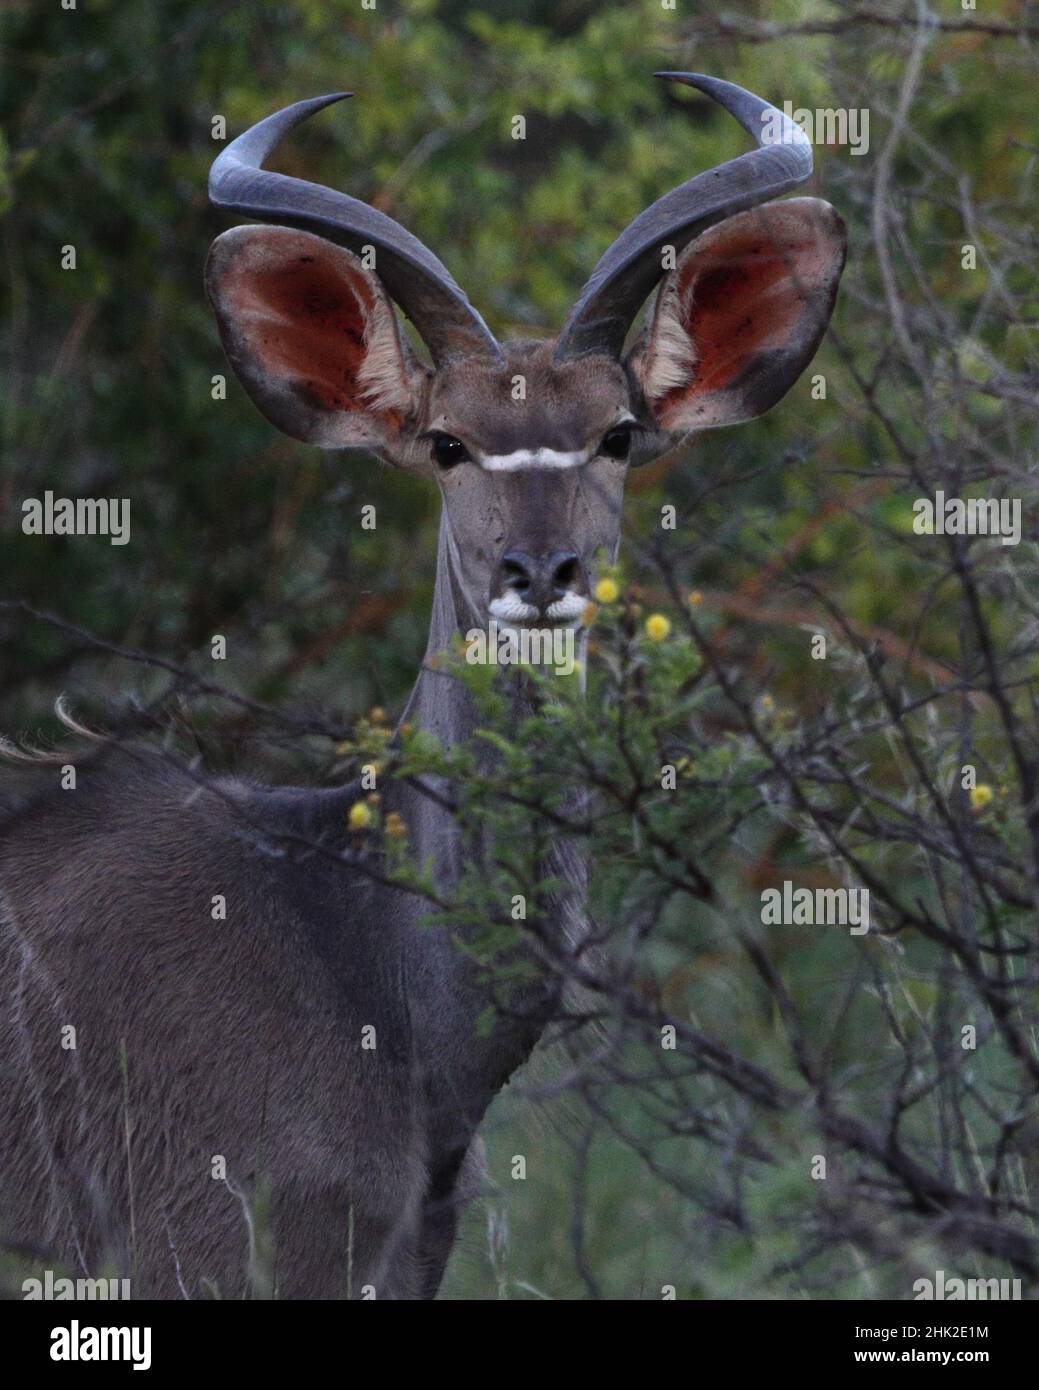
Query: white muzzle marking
[(509, 608), (568, 609)]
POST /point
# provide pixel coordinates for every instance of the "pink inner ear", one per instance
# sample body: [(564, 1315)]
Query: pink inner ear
[(739, 299), (305, 321)]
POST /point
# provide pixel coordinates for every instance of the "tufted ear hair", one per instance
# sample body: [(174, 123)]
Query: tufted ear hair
[(314, 339), (741, 315)]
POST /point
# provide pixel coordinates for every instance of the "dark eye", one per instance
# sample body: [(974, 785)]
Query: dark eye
[(447, 451), (616, 442)]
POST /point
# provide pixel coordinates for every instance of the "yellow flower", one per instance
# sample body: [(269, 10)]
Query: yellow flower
[(360, 817), (396, 828), (695, 599), (980, 796), (378, 715), (607, 591), (657, 627)]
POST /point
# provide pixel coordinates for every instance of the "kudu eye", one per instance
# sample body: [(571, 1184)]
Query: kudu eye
[(447, 451), (616, 442)]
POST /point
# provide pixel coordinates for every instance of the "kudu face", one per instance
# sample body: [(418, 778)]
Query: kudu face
[(530, 443), (532, 481)]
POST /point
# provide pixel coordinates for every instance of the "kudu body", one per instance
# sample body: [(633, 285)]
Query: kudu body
[(243, 1038)]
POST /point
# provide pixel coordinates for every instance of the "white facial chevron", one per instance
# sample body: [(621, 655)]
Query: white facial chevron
[(534, 458)]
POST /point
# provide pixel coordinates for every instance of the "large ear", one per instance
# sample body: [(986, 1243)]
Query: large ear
[(741, 315), (313, 338)]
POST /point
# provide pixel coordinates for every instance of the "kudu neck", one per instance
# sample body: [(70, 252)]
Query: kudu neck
[(448, 993), (439, 703)]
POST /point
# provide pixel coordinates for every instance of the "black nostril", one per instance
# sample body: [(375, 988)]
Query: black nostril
[(516, 571), (567, 571)]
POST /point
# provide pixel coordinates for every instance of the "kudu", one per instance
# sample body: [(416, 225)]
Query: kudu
[(243, 1038)]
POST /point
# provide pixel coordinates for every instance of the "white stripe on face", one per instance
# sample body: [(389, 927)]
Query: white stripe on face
[(534, 458)]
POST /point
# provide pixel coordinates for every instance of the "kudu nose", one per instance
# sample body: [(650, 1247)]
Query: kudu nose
[(541, 580)]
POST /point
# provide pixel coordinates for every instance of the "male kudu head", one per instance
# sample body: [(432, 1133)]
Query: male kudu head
[(529, 442)]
